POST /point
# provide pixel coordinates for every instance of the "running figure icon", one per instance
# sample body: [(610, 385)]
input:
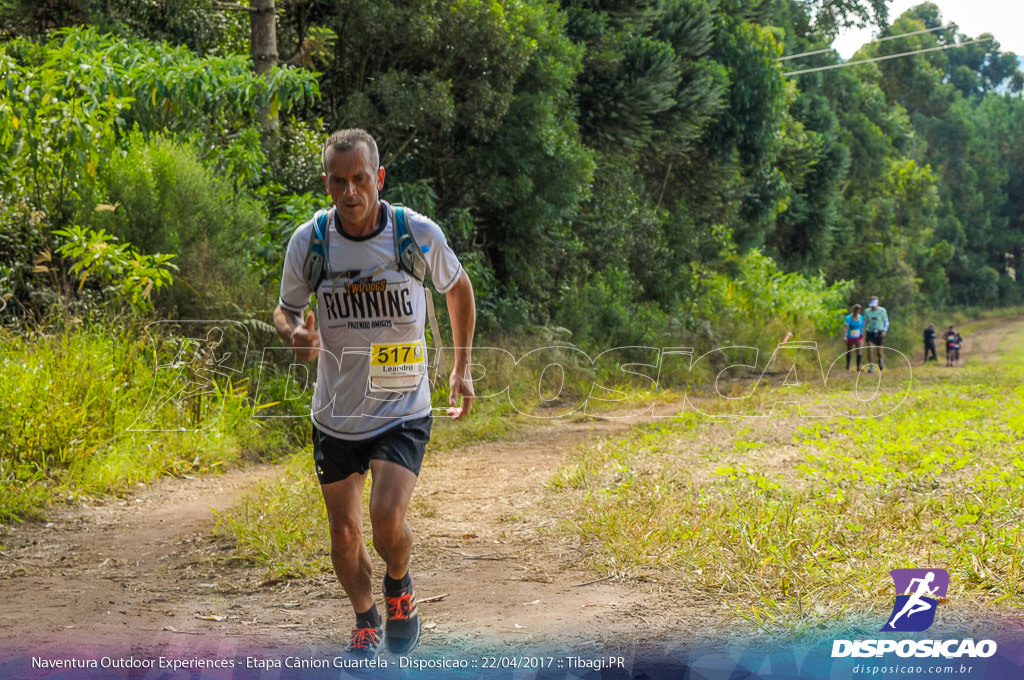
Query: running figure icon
[(916, 602)]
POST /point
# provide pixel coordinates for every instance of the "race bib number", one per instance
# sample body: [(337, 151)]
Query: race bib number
[(855, 334), (397, 367)]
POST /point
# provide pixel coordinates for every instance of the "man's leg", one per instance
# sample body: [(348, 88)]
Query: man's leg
[(389, 500), (392, 489), (351, 561), (348, 552)]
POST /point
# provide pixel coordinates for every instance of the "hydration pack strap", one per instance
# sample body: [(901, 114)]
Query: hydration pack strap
[(409, 257)]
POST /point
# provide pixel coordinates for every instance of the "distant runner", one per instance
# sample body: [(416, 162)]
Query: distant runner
[(877, 326), (929, 343), (953, 342), (853, 328)]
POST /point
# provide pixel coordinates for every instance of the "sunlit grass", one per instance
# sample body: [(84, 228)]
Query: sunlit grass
[(790, 519), (83, 417)]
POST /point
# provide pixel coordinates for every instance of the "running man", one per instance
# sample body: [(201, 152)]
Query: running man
[(877, 326), (915, 603), (366, 417)]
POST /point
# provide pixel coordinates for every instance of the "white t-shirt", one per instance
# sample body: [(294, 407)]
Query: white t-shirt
[(371, 302)]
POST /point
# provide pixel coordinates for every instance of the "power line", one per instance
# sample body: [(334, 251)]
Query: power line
[(870, 42), (883, 58)]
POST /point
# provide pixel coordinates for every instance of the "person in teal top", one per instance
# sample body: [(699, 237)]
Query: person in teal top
[(854, 330), (877, 320)]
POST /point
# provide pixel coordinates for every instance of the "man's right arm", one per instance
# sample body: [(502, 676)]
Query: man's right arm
[(303, 337)]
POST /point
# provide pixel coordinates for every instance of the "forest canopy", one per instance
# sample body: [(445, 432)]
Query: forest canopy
[(614, 170)]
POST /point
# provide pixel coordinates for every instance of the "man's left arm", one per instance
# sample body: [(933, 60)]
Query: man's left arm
[(462, 312)]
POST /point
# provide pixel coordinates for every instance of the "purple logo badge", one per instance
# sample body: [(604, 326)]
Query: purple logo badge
[(917, 597)]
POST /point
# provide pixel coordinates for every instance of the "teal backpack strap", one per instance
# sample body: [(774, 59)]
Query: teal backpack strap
[(315, 264), (408, 254), (410, 259)]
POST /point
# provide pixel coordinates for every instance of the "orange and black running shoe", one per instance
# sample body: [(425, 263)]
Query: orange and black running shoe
[(365, 642), (403, 623)]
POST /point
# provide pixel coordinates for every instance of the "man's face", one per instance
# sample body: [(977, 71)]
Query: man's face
[(353, 184), (874, 302)]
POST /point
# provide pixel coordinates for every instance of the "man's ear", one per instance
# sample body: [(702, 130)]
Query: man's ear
[(380, 178)]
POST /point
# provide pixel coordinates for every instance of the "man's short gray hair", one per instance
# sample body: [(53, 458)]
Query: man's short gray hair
[(343, 140)]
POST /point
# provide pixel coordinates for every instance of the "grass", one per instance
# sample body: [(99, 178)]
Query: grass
[(797, 521), (87, 412)]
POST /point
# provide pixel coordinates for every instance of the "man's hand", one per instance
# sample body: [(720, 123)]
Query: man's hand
[(306, 339), (462, 312), (460, 384)]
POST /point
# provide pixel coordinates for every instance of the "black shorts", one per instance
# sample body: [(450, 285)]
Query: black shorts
[(404, 444), (875, 337)]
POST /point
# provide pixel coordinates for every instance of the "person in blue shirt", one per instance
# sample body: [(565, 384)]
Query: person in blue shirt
[(853, 328)]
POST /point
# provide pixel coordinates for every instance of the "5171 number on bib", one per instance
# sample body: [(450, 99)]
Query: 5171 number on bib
[(397, 367)]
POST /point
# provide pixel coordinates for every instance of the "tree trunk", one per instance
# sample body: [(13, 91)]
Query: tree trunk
[(263, 48)]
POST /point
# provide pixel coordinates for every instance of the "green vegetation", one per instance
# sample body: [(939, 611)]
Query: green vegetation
[(612, 174), (84, 416), (796, 519), (599, 167), (149, 143)]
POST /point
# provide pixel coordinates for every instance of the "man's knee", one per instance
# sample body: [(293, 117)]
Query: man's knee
[(388, 524), (346, 534)]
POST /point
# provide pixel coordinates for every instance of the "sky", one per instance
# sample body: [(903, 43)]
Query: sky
[(1004, 19)]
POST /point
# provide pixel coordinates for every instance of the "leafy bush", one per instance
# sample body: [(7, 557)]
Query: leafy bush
[(133, 275), (167, 201), (67, 112), (763, 303)]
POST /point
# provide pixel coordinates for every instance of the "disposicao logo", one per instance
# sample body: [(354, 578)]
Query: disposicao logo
[(918, 592), (917, 597)]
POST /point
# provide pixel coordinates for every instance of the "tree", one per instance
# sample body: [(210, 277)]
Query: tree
[(263, 50), (59, 135)]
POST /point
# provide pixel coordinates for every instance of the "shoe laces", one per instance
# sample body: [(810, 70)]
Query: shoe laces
[(400, 607), (364, 638)]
